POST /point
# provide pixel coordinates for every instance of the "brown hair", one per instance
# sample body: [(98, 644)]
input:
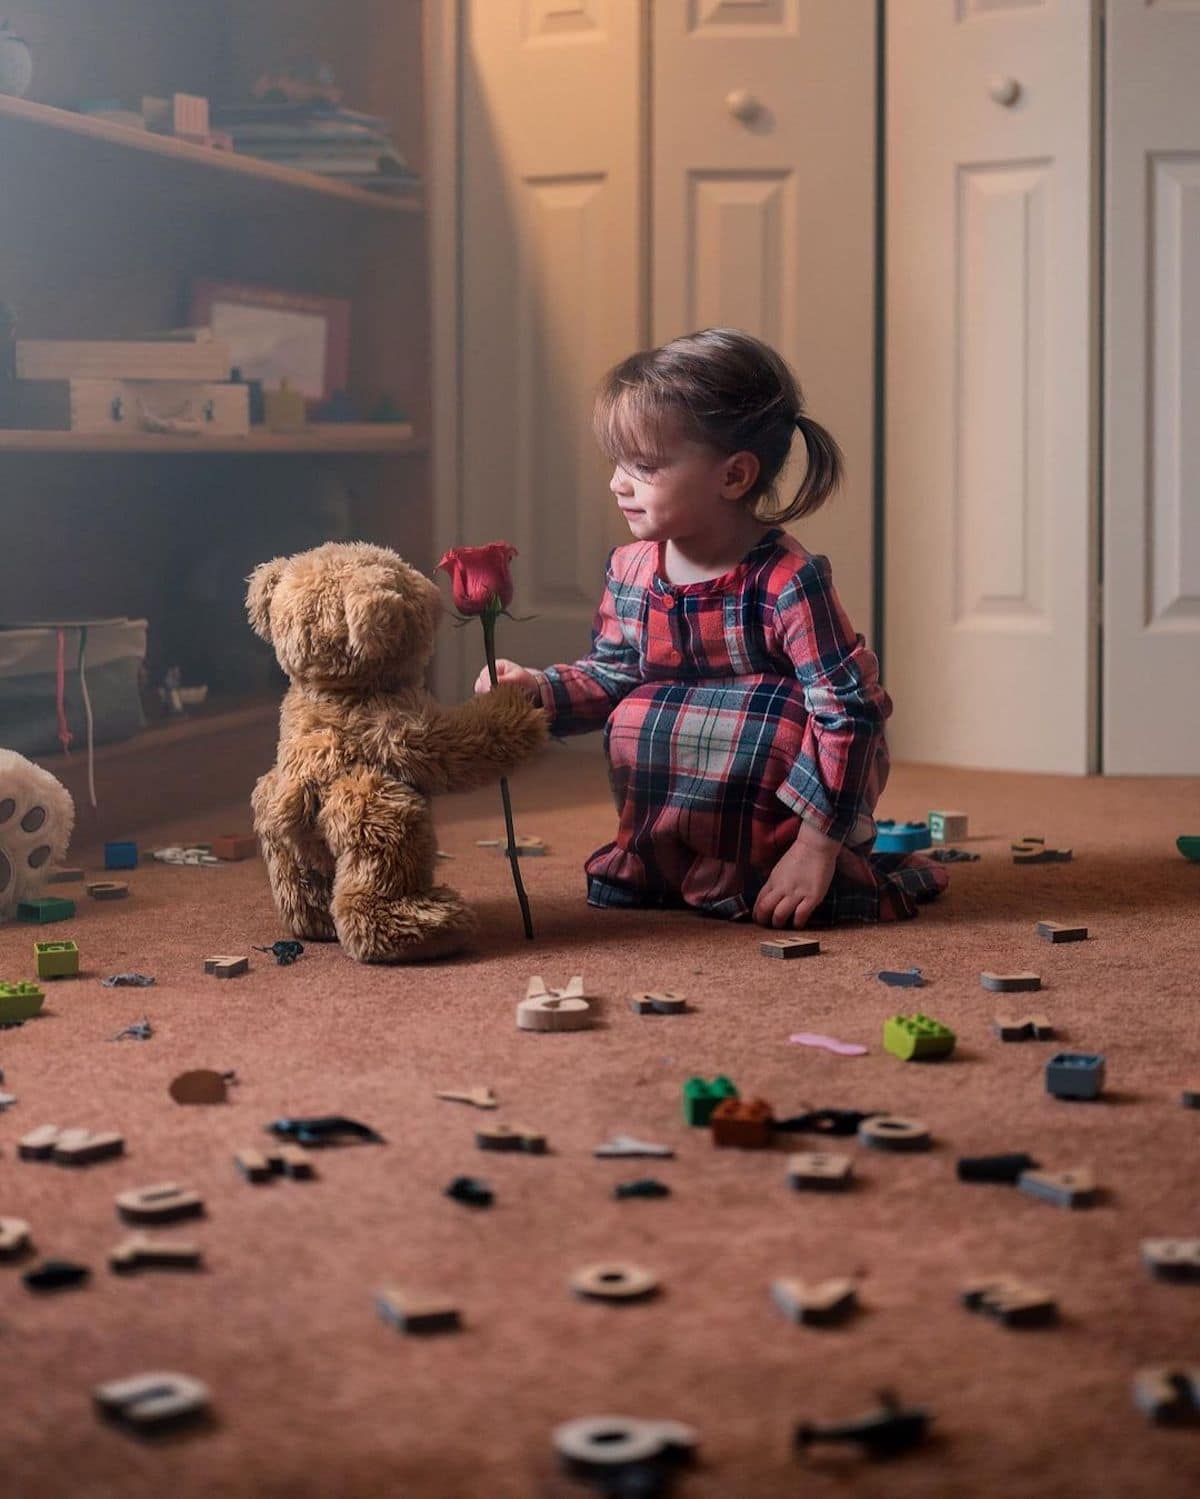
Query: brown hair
[(726, 389)]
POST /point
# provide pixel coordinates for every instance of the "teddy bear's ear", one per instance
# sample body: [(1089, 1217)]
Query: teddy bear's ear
[(384, 621), (263, 581)]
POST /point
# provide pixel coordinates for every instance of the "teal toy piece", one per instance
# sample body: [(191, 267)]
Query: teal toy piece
[(1189, 846), (892, 837), (700, 1098), (1075, 1074), (45, 908)]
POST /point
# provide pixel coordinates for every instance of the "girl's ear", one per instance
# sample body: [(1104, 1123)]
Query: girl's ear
[(740, 475), (263, 581)]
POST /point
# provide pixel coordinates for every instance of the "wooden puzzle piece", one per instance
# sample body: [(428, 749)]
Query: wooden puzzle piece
[(743, 1122), (226, 966), (614, 1281), (660, 1002), (1169, 1395), (411, 1312), (149, 1401), (891, 1132), (1056, 931), (790, 947), (816, 1304), (160, 1203), (478, 1098), (1011, 1301), (1040, 854), (108, 890), (624, 1443), (1023, 1028), (917, 1038), (545, 1009), (510, 1137), (995, 1168), (6, 1101), (1010, 983), (622, 1146), (1075, 1188), (38, 1144), (820, 1170), (80, 1147), (140, 1252), (282, 1160), (67, 875), (14, 1238), (1172, 1259)]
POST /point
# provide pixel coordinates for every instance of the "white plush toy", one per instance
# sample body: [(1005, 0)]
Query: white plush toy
[(36, 818)]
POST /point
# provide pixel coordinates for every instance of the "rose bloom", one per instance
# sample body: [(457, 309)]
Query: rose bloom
[(480, 577)]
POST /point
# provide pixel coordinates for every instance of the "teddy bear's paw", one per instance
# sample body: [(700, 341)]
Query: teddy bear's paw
[(402, 929), (36, 814)]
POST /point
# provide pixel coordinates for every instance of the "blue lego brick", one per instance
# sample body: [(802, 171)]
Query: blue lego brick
[(120, 856), (892, 837), (1075, 1074)]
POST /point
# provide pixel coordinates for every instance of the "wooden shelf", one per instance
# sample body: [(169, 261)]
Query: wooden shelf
[(248, 171), (330, 437)]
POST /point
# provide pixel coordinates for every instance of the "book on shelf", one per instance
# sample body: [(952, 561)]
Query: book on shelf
[(183, 354), (318, 137)]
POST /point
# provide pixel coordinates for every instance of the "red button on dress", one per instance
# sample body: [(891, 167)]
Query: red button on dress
[(668, 601)]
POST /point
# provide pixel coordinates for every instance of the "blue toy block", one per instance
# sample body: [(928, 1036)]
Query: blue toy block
[(900, 838), (1074, 1074), (120, 856)]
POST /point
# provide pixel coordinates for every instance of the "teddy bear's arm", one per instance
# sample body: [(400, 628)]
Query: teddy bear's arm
[(457, 749)]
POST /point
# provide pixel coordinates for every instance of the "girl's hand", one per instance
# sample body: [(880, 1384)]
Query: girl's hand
[(508, 672), (797, 884)]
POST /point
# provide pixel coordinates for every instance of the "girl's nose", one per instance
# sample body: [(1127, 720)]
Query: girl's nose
[(620, 483)]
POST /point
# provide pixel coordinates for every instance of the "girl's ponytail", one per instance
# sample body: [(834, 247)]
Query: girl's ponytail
[(824, 472)]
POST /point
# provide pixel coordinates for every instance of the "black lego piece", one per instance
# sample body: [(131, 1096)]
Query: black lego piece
[(995, 1168), (471, 1191), (885, 1432), (286, 951), (825, 1122), (643, 1186), (54, 1275), (324, 1129)]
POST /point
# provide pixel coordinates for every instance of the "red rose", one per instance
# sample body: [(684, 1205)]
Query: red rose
[(480, 577)]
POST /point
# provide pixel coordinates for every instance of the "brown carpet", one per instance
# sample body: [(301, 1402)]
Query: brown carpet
[(316, 1398)]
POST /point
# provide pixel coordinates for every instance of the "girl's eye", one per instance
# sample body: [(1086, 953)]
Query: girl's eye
[(645, 469)]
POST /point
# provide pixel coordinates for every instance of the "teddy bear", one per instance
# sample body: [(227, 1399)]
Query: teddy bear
[(343, 816)]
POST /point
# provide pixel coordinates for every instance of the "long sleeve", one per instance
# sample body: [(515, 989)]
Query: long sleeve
[(580, 696), (846, 704)]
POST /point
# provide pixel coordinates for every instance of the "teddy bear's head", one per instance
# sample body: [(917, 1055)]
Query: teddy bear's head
[(346, 614)]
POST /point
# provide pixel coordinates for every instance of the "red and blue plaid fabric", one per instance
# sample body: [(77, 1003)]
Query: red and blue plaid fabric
[(732, 709)]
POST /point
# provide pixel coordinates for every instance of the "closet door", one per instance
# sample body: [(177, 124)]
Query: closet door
[(992, 354), (763, 193), (551, 295), (1152, 390)]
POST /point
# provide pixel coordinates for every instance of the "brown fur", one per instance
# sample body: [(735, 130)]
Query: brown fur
[(343, 816)]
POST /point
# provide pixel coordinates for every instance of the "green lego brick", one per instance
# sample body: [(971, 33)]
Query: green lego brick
[(19, 1001), (56, 960), (45, 908), (700, 1098), (917, 1038)]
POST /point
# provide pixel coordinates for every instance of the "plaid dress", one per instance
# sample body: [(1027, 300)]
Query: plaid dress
[(732, 709)]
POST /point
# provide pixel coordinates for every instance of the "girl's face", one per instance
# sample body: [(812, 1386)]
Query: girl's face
[(684, 491)]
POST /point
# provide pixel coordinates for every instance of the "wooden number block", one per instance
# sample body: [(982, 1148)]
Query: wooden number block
[(790, 947), (1169, 1395), (614, 1281), (293, 1161), (597, 1445), (478, 1098), (661, 1002), (253, 1165), (108, 890), (891, 1132), (1023, 1028), (233, 847), (1075, 1188), (149, 1401), (141, 1252), (510, 1137), (1172, 1259), (80, 1147), (1010, 983), (39, 1143), (415, 1313), (14, 1238), (545, 1009), (624, 1146), (818, 1303), (744, 1122), (1041, 855), (67, 875), (226, 967), (1055, 931), (820, 1171), (1010, 1301), (161, 1203), (947, 827)]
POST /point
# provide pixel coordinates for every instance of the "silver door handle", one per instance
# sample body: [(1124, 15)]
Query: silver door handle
[(742, 104), (1004, 91)]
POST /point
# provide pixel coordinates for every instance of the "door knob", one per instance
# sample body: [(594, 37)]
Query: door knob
[(742, 104), (1004, 91)]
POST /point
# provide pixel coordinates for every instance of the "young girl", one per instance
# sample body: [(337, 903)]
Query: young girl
[(743, 717)]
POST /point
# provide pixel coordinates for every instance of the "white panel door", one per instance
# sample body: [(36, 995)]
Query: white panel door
[(1152, 390), (763, 190), (552, 295), (992, 353)]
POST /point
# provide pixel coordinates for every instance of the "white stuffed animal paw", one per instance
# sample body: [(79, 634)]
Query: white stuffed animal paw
[(36, 818)]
